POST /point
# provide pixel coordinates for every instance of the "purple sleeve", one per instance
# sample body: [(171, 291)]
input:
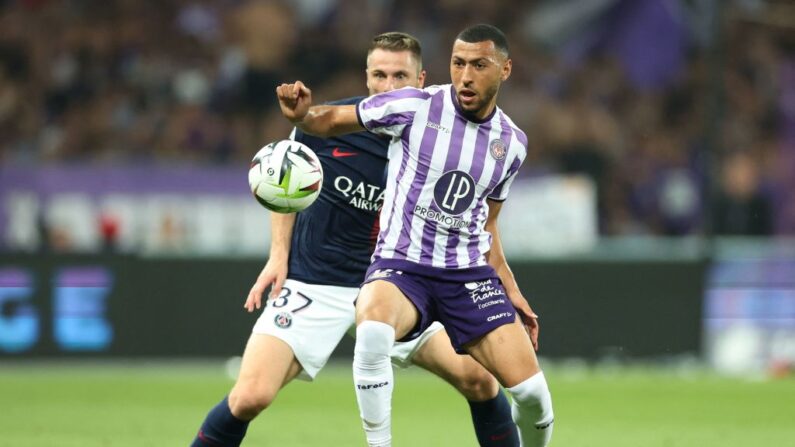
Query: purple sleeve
[(500, 192), (388, 113)]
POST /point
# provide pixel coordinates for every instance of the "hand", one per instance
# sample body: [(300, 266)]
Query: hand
[(274, 273), (529, 318), (294, 100)]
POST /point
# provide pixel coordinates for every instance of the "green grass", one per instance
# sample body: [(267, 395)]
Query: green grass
[(44, 404)]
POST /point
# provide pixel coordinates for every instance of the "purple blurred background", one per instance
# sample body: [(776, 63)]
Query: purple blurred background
[(681, 112)]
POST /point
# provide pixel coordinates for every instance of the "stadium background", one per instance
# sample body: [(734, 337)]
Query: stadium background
[(652, 226)]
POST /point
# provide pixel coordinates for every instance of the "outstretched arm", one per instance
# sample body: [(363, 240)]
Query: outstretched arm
[(295, 101), (496, 258), (275, 271)]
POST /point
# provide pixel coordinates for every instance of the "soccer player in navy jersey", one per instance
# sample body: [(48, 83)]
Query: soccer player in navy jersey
[(453, 155), (318, 259)]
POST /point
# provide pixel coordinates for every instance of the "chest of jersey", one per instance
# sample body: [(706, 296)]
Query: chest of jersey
[(354, 172), (451, 176)]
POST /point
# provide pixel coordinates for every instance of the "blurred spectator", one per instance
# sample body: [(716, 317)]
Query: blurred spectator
[(617, 91), (741, 207)]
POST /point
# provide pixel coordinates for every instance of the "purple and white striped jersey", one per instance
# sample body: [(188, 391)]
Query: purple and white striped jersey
[(442, 168)]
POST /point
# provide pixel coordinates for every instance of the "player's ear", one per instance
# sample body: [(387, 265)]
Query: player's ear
[(506, 70), (421, 79)]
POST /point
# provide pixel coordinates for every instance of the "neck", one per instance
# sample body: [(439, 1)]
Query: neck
[(477, 116), (485, 112)]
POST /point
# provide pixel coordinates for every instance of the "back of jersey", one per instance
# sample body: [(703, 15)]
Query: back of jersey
[(334, 238)]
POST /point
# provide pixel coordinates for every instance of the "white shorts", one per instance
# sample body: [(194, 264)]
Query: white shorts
[(312, 319)]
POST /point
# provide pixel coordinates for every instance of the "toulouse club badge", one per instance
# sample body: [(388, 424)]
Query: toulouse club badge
[(498, 149)]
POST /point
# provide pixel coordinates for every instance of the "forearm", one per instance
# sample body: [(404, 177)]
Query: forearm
[(281, 235), (496, 258), (326, 121)]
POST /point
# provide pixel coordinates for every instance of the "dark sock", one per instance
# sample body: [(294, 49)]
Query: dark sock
[(493, 423), (221, 428)]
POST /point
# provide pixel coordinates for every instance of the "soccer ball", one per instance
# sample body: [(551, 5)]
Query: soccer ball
[(285, 176)]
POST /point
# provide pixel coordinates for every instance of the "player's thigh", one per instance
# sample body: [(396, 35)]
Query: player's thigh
[(268, 365), (311, 319), (383, 301), (404, 353), (507, 352), (465, 374)]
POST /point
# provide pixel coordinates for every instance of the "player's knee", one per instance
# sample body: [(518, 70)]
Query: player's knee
[(533, 395), (248, 402), (374, 338), (374, 310), (477, 385)]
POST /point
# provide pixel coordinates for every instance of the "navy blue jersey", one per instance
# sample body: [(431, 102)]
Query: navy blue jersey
[(334, 238)]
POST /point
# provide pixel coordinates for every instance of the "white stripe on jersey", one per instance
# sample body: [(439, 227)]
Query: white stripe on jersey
[(464, 163), (426, 198), (462, 249), (395, 225)]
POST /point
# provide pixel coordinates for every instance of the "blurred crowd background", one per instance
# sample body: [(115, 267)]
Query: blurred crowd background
[(681, 112)]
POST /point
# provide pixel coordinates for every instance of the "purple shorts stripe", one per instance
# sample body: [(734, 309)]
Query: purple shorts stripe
[(469, 302)]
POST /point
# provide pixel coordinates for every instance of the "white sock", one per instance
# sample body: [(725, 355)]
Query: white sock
[(373, 379), (532, 411)]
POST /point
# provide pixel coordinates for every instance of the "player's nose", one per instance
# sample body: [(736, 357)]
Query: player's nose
[(466, 75)]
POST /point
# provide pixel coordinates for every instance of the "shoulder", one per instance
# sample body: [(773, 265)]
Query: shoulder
[(518, 136), (405, 95)]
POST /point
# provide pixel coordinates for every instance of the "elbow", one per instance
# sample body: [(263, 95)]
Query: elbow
[(316, 130), (320, 133)]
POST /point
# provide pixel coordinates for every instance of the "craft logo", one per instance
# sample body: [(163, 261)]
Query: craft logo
[(438, 127), (499, 315)]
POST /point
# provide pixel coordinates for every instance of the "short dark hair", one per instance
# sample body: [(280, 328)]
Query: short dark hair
[(484, 32), (397, 41)]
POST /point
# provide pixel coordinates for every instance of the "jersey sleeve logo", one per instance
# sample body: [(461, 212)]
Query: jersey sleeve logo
[(337, 152)]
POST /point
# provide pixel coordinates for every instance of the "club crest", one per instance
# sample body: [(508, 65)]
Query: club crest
[(498, 149), (283, 320)]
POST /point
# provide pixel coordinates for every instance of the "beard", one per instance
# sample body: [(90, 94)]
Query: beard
[(482, 104)]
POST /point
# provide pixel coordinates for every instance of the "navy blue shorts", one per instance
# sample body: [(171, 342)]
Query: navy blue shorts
[(469, 302)]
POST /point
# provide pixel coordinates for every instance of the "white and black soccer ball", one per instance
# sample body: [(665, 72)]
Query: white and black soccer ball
[(285, 176)]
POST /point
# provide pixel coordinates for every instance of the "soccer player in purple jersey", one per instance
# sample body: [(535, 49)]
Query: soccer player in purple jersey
[(318, 259), (453, 155)]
